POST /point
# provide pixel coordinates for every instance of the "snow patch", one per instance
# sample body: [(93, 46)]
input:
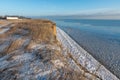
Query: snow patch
[(24, 57), (4, 30)]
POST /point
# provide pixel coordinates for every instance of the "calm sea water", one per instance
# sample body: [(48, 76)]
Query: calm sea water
[(101, 38)]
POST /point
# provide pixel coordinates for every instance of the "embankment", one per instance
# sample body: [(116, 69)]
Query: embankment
[(29, 50), (83, 58)]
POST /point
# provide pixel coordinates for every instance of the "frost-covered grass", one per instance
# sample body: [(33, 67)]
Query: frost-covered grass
[(4, 30), (30, 51)]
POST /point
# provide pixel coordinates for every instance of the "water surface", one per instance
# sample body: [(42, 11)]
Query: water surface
[(101, 38)]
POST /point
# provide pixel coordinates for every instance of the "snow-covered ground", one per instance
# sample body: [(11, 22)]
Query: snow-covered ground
[(23, 64), (4, 30), (22, 58)]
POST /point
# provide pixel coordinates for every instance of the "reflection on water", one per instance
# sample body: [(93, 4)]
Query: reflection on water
[(99, 37)]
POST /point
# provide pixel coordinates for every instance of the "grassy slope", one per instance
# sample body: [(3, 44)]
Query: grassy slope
[(31, 44)]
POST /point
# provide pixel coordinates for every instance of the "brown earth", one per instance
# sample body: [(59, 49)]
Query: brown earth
[(30, 51)]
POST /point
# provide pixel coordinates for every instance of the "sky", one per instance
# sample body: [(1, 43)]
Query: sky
[(58, 7)]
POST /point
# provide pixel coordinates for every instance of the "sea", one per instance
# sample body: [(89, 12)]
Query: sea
[(101, 38)]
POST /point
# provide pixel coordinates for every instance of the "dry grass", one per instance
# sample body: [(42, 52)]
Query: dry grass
[(39, 32), (3, 22)]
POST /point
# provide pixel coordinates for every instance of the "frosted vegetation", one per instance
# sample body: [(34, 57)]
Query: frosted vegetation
[(30, 51)]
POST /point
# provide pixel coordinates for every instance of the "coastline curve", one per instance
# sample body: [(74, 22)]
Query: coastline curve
[(83, 57)]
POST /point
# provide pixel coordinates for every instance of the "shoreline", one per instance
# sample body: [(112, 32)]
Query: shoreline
[(68, 55), (83, 57)]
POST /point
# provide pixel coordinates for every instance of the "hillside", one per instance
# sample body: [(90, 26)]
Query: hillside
[(30, 50)]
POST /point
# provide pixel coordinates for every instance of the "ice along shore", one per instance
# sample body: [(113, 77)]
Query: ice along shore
[(82, 58)]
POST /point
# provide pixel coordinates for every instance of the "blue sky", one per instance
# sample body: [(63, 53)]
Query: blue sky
[(57, 7)]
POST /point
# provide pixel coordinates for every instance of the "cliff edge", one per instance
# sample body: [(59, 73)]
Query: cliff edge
[(36, 50)]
